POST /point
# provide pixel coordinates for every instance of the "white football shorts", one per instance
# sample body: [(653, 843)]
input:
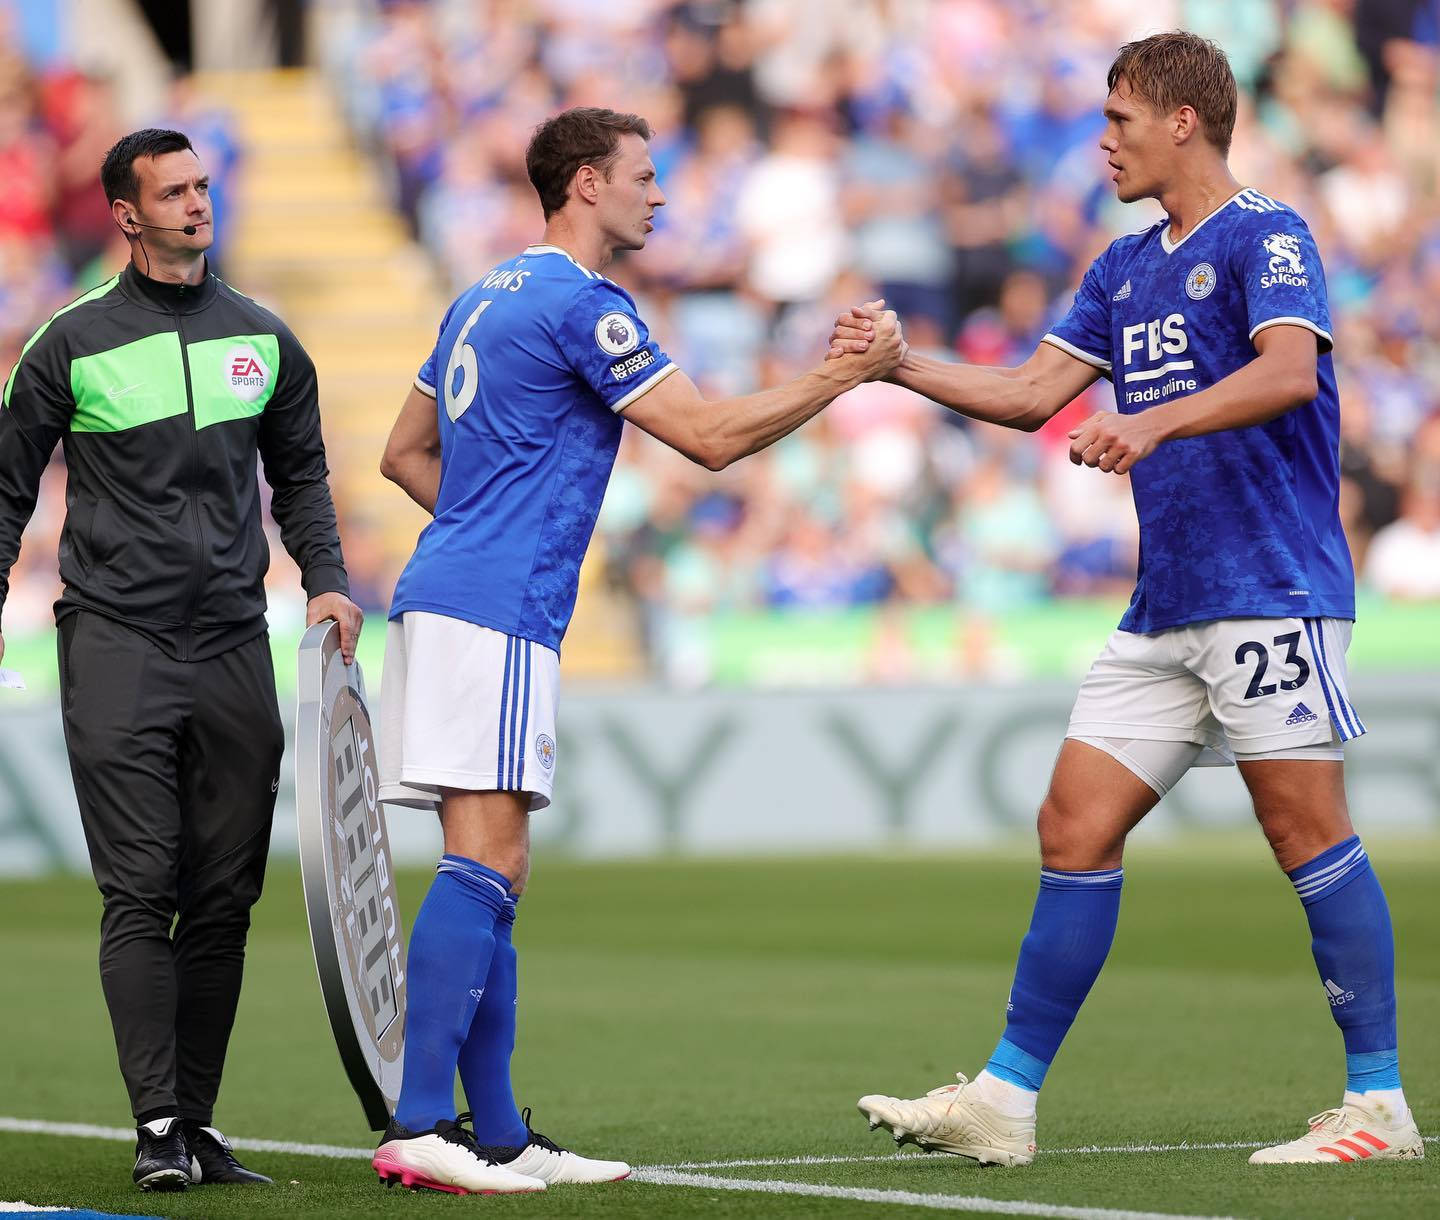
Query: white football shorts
[(1242, 686), (462, 706)]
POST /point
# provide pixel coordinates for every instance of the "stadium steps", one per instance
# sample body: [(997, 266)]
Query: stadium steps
[(315, 236)]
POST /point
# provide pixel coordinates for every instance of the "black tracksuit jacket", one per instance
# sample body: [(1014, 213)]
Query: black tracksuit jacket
[(162, 395)]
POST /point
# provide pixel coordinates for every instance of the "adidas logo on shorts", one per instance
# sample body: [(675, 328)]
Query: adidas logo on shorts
[(1301, 715)]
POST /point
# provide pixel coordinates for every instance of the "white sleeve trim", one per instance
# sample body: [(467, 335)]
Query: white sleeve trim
[(645, 386), (1071, 350), (1304, 323), (425, 389)]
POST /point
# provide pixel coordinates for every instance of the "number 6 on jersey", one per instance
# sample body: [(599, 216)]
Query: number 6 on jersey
[(462, 357)]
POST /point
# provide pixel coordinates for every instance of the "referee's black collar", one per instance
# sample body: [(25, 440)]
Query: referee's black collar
[(169, 297)]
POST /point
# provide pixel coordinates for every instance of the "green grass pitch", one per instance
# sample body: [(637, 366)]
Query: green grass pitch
[(678, 1011)]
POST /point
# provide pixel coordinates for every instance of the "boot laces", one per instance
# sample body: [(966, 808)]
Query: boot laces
[(535, 1137), (1328, 1120)]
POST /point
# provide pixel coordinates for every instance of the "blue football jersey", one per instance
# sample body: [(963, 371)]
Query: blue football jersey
[(530, 372), (1237, 524)]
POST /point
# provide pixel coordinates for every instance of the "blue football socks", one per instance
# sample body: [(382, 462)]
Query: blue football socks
[(485, 1056), (1354, 950), (451, 946), (1060, 958)]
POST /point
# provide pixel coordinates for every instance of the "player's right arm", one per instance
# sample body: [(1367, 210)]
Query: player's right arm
[(37, 408), (1023, 397), (716, 433), (1070, 359), (412, 452)]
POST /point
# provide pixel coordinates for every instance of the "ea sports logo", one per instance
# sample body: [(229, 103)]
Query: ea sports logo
[(616, 334), (245, 372)]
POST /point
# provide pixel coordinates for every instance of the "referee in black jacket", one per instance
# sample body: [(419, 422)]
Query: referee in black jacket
[(163, 384)]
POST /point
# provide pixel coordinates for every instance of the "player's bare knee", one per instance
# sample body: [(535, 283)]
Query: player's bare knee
[(1286, 842), (518, 872), (520, 879), (1072, 839), (1296, 839)]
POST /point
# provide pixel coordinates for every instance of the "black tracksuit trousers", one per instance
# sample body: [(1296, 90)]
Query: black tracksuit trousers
[(176, 766)]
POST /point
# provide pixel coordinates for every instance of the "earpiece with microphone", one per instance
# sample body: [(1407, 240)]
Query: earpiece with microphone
[(188, 230)]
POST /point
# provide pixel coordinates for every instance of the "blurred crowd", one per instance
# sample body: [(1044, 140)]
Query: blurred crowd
[(939, 153), (57, 238)]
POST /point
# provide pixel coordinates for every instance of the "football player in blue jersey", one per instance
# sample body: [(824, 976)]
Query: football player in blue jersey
[(1213, 326), (508, 438)]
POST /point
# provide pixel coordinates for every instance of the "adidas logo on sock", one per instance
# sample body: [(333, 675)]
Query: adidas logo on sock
[(1124, 293), (1337, 994), (1301, 715)]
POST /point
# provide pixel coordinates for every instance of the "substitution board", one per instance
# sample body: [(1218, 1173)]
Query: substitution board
[(346, 870)]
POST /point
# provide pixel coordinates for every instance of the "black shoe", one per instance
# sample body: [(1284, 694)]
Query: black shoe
[(162, 1159), (213, 1160)]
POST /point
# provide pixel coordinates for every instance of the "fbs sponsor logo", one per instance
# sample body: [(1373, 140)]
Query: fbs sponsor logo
[(1336, 994), (1124, 293), (1285, 265), (622, 369), (1301, 715), (245, 373)]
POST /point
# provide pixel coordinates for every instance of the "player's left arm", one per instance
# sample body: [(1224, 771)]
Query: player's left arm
[(1287, 313), (1280, 378), (603, 338)]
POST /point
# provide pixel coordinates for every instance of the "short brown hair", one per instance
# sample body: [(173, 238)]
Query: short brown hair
[(582, 135), (1181, 69), (117, 173)]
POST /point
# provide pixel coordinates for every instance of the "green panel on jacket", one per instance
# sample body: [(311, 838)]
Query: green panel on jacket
[(232, 378), (137, 383), (93, 295)]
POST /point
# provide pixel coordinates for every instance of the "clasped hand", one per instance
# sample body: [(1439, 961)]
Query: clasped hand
[(872, 332), (1114, 443)]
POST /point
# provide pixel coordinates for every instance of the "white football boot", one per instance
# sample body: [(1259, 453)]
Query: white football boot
[(543, 1158), (1354, 1132), (954, 1118), (444, 1158)]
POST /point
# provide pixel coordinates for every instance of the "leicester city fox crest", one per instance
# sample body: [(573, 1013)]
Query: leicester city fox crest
[(1200, 283)]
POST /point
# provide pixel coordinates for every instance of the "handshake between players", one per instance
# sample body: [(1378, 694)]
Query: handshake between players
[(1108, 441)]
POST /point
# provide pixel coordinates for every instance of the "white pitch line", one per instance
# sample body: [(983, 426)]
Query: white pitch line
[(903, 1198), (37, 1126), (892, 1157)]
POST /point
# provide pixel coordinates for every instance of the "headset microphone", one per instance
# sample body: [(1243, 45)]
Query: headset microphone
[(188, 230)]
